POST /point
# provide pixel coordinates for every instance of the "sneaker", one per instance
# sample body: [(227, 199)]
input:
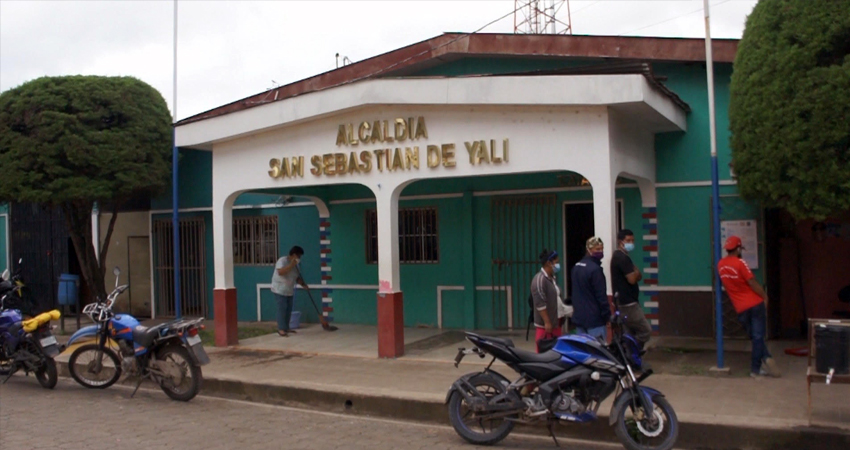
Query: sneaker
[(772, 369)]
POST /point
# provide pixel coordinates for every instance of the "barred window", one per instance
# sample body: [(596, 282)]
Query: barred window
[(417, 236), (255, 240)]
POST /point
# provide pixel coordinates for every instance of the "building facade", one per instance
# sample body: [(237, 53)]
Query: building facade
[(423, 183)]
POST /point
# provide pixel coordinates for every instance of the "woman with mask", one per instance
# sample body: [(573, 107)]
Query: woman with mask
[(591, 310), (544, 293)]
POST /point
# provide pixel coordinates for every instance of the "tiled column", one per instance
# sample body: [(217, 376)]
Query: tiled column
[(650, 279), (325, 253)]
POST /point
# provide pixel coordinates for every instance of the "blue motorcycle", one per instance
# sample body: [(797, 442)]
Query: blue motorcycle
[(27, 345), (170, 354), (565, 384)]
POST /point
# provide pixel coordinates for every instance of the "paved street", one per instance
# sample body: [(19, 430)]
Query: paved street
[(71, 417)]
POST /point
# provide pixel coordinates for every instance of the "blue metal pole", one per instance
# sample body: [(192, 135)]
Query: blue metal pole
[(718, 297), (715, 188), (175, 219)]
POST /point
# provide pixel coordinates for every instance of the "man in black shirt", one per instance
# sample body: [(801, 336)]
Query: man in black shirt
[(624, 281)]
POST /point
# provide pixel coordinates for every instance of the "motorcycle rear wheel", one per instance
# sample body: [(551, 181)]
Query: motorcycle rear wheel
[(110, 366), (47, 375), (462, 418), (185, 378)]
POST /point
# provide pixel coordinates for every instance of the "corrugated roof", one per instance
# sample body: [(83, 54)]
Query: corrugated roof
[(634, 52)]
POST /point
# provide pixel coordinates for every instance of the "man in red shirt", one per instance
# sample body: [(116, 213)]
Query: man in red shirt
[(748, 297)]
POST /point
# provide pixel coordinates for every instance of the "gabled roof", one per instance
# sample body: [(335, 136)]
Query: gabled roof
[(453, 46)]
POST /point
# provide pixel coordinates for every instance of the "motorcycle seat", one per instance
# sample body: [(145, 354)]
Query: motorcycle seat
[(145, 336), (545, 357), (503, 341)]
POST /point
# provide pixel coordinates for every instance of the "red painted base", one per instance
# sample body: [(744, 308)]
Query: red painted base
[(224, 318), (390, 325)]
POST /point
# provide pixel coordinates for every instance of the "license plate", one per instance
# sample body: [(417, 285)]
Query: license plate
[(48, 341), (192, 340)]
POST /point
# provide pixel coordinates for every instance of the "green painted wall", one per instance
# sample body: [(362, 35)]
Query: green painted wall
[(460, 221), (684, 230), (296, 226), (686, 156), (195, 184)]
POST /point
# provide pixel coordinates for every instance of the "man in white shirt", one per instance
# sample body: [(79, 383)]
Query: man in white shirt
[(286, 274)]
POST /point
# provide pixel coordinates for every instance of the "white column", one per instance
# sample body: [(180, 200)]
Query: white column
[(389, 279), (647, 192), (605, 219), (95, 230), (222, 218)]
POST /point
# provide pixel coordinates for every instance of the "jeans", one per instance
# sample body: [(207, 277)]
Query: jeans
[(754, 321), (635, 323), (598, 332), (284, 311)]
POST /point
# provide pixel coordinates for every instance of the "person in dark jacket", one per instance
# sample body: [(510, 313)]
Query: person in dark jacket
[(590, 299)]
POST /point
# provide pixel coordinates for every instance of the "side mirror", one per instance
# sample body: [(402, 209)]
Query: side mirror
[(116, 271)]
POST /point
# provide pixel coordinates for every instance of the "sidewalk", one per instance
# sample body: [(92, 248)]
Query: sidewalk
[(339, 371)]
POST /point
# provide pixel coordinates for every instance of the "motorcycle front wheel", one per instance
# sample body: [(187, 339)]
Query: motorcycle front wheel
[(47, 374), (637, 433), (94, 367), (478, 430), (181, 378)]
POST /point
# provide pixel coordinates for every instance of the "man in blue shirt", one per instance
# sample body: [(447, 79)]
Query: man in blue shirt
[(590, 300)]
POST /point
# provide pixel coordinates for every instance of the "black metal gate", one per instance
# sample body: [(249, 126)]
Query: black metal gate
[(40, 237), (521, 227), (193, 267)]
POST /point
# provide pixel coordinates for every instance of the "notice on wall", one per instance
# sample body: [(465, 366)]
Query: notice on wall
[(747, 230)]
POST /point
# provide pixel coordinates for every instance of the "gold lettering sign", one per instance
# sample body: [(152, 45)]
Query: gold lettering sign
[(401, 156)]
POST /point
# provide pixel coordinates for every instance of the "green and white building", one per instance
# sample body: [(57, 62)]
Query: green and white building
[(423, 183)]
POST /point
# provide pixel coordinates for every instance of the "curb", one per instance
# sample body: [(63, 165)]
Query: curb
[(692, 435)]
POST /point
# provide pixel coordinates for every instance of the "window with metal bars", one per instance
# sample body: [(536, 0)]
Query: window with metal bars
[(418, 241), (255, 241)]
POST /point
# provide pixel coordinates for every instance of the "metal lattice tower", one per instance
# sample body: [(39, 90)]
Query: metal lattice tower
[(542, 17)]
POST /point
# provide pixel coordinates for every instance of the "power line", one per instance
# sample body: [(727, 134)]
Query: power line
[(672, 18)]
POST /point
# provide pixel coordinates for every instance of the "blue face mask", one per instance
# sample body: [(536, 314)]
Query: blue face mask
[(557, 267), (629, 246)]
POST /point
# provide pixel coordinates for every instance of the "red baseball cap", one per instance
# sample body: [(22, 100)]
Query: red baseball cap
[(733, 242)]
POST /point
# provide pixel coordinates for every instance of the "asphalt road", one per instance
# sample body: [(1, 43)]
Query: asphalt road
[(72, 417)]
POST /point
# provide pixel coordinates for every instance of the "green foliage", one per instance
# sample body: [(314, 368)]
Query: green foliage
[(81, 139), (790, 107)]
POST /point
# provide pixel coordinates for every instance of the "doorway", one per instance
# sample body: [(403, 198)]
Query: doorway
[(139, 275), (579, 226)]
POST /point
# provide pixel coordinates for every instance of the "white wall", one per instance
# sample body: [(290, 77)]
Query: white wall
[(128, 224)]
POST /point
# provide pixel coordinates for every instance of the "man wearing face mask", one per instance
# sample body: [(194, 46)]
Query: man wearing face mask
[(624, 281), (544, 293), (590, 300), (749, 298)]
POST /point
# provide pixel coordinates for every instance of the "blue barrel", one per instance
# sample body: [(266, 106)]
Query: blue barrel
[(68, 289)]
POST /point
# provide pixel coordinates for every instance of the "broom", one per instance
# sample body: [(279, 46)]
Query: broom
[(325, 325)]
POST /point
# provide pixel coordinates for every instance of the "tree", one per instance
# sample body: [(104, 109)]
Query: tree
[(790, 107), (71, 141)]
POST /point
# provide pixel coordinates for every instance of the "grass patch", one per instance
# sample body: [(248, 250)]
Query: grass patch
[(208, 336)]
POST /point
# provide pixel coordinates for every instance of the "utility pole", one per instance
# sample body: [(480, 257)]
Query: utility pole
[(715, 190)]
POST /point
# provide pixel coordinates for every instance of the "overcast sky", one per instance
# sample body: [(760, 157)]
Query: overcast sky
[(228, 50)]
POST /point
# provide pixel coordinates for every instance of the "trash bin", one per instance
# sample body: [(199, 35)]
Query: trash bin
[(68, 288), (832, 349), (295, 320)]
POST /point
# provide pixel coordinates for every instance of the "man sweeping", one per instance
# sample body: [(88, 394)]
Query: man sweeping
[(285, 275)]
